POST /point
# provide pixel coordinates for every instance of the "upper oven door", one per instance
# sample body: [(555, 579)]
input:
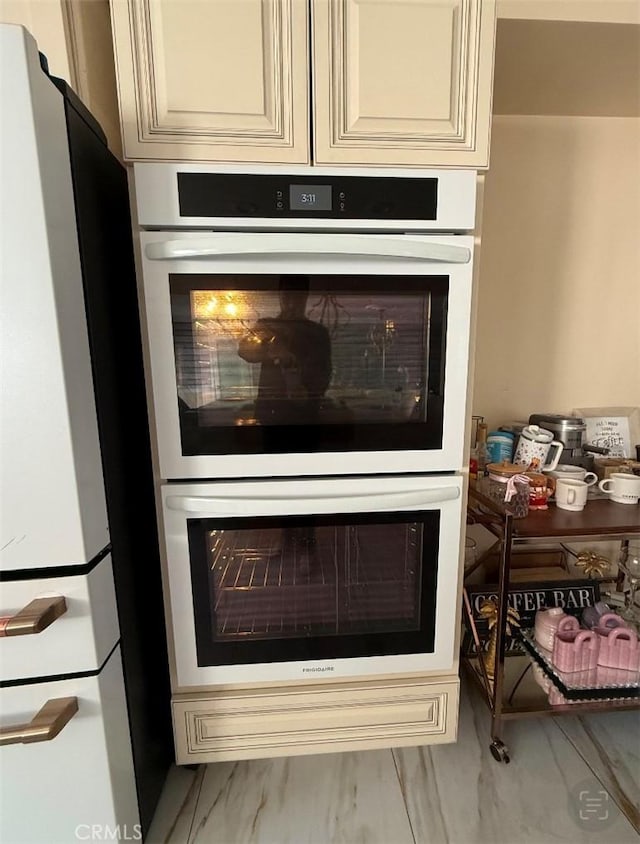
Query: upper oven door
[(293, 353)]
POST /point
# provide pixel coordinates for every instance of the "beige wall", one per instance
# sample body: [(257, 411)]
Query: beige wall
[(75, 35), (555, 67), (559, 298), (91, 48), (559, 284), (45, 21), (613, 11)]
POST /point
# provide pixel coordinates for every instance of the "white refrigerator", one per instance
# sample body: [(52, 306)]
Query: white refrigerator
[(84, 702)]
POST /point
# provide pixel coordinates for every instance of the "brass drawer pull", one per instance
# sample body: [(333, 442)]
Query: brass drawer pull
[(35, 617), (44, 726)]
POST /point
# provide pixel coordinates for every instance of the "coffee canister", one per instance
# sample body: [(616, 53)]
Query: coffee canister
[(500, 446)]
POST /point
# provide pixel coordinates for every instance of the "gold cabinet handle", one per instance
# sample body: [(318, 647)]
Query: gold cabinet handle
[(44, 726), (35, 617)]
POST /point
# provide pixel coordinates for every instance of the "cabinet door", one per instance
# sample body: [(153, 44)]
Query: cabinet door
[(213, 81), (403, 82)]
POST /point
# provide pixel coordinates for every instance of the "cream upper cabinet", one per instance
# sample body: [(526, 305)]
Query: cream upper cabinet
[(403, 82), (384, 82), (213, 80)]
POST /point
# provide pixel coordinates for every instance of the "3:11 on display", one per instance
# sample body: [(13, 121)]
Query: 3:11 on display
[(310, 197)]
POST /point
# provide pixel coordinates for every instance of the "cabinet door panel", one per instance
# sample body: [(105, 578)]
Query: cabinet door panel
[(213, 81), (403, 81), (320, 718)]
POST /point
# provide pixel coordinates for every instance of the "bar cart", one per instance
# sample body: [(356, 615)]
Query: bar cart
[(601, 519)]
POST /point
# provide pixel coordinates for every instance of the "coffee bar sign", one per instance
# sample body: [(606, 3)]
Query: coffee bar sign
[(571, 595)]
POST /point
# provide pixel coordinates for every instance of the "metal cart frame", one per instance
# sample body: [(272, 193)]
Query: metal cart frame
[(600, 520)]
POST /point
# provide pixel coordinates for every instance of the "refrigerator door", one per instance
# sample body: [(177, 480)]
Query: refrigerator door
[(53, 499), (79, 784), (58, 625)]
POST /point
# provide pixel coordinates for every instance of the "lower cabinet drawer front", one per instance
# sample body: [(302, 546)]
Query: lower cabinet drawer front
[(80, 784), (78, 640), (290, 722)]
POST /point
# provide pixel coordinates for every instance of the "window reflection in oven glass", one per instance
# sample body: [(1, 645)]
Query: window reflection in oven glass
[(291, 355), (314, 580)]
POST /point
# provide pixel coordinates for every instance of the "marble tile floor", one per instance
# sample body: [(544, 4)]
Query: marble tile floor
[(447, 794)]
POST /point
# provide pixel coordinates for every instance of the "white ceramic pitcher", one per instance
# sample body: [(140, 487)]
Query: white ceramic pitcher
[(533, 449)]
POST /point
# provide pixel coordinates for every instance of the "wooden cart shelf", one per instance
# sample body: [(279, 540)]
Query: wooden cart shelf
[(601, 519)]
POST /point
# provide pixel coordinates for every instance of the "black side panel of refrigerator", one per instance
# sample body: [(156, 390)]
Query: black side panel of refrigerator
[(106, 252)]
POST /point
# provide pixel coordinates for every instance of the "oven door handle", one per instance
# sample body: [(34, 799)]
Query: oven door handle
[(311, 245), (236, 505)]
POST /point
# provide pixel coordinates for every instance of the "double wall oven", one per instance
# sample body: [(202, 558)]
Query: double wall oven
[(308, 340)]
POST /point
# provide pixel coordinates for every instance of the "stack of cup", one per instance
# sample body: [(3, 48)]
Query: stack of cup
[(572, 486), (571, 494)]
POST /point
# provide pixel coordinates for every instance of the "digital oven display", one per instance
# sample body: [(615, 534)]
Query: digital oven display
[(310, 197)]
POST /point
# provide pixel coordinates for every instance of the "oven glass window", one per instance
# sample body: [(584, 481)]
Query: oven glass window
[(273, 589), (308, 363)]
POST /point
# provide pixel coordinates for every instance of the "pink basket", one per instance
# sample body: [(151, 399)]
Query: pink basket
[(619, 648), (575, 649), (609, 620)]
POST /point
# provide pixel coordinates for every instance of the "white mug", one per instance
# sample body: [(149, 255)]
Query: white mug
[(625, 489), (571, 494), (533, 448), (576, 473)]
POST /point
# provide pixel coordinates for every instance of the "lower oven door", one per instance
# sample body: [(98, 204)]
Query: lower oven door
[(295, 579)]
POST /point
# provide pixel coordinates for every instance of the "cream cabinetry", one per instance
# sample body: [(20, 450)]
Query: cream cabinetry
[(220, 81), (403, 82), (386, 82), (327, 718)]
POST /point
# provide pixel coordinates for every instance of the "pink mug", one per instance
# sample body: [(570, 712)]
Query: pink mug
[(545, 626)]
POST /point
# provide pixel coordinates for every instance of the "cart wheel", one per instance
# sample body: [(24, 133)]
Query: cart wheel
[(499, 751)]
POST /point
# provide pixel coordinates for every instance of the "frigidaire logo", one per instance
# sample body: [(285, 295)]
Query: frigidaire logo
[(318, 670)]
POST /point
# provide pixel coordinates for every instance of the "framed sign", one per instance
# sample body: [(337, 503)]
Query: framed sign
[(527, 598), (615, 428)]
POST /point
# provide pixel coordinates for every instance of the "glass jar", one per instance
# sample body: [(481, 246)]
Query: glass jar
[(470, 551), (499, 475), (507, 486), (517, 497)]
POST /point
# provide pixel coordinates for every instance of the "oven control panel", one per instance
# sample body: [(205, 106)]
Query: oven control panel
[(308, 196)]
